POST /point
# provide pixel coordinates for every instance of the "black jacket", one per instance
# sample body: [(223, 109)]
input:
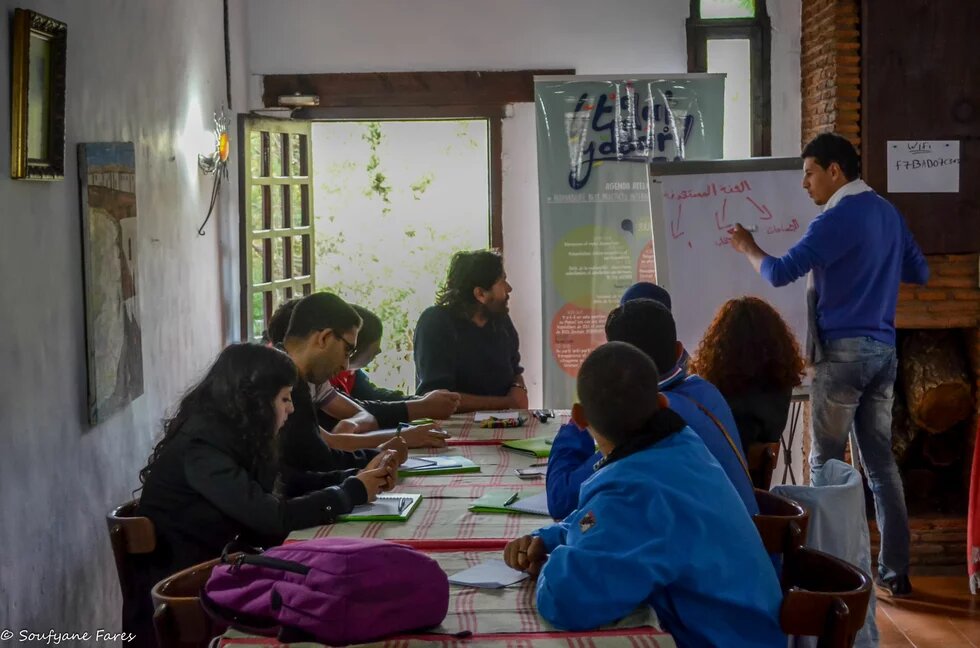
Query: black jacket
[(760, 415), (300, 445), (204, 491)]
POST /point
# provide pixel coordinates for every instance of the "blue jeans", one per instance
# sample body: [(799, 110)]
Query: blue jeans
[(854, 383)]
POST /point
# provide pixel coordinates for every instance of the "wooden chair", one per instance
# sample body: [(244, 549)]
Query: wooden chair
[(130, 536), (781, 522), (178, 618), (826, 598), (761, 459)]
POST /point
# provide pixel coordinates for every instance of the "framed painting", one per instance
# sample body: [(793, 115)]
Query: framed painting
[(107, 179), (37, 96)]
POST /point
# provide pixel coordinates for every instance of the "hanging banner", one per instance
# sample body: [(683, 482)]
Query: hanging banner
[(595, 210)]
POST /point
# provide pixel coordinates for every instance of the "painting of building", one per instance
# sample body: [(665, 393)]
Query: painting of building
[(107, 173)]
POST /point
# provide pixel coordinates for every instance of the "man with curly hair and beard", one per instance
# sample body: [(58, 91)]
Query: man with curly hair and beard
[(467, 342)]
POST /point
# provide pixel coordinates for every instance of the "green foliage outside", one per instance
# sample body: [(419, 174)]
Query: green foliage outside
[(393, 201)]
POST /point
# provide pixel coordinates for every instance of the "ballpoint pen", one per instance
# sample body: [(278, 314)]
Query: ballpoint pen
[(403, 504), (511, 500)]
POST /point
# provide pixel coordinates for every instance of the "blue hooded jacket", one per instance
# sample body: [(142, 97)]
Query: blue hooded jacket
[(663, 527), (573, 455)]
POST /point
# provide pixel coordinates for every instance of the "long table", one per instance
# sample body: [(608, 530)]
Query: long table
[(443, 527), (502, 617)]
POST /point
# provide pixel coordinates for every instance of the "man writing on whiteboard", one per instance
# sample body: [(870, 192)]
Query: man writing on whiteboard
[(858, 250)]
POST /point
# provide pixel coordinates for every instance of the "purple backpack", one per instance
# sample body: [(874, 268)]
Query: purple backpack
[(336, 591)]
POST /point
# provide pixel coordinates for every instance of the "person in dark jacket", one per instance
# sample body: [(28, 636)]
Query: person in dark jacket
[(323, 312), (389, 406), (214, 478), (752, 357), (467, 342)]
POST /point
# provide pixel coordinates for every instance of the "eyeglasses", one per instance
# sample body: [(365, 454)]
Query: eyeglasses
[(349, 348)]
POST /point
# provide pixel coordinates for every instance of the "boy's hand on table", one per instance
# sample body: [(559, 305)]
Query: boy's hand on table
[(527, 554)]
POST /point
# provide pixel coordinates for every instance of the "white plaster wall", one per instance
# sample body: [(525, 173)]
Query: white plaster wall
[(150, 72), (611, 37)]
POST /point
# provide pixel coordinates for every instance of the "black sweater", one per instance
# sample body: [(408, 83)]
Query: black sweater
[(300, 445), (451, 352), (203, 491), (760, 415)]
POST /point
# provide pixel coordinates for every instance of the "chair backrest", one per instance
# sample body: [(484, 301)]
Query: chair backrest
[(761, 459), (178, 618), (826, 598), (781, 522), (129, 535)]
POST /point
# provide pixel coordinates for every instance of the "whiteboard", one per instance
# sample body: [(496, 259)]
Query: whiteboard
[(694, 204)]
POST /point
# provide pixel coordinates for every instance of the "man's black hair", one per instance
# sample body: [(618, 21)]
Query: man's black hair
[(647, 325), (468, 270), (279, 322), (617, 387), (828, 148), (321, 311)]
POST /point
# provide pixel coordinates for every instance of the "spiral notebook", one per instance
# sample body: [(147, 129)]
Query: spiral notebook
[(387, 507)]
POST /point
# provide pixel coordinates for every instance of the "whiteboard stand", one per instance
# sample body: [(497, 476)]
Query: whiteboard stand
[(801, 396)]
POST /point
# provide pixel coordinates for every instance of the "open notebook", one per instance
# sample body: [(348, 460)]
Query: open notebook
[(387, 507), (535, 446), (437, 466), (505, 501)]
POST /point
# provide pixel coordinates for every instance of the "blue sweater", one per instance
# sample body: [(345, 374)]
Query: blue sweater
[(663, 527), (573, 455), (859, 251)]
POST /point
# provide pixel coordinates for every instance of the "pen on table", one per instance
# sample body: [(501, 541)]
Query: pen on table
[(511, 500), (403, 504)]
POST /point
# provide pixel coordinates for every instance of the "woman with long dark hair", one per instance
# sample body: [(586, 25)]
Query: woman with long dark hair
[(214, 477), (752, 357)]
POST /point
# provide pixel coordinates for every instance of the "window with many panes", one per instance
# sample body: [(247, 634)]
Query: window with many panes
[(733, 36), (277, 225)]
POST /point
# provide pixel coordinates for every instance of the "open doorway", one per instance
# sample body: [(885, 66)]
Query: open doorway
[(393, 200)]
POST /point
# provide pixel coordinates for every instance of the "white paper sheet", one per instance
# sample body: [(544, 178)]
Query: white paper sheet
[(429, 463), (918, 166), (492, 574)]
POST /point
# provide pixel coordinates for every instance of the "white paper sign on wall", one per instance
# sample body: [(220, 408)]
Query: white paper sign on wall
[(921, 166)]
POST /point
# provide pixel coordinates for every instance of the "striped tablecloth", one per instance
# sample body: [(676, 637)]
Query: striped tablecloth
[(507, 617), (443, 515), (464, 430), (496, 467)]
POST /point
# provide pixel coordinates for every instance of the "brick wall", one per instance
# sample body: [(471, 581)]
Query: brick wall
[(830, 68)]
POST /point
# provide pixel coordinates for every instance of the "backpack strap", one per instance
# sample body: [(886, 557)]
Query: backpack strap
[(721, 427), (251, 556)]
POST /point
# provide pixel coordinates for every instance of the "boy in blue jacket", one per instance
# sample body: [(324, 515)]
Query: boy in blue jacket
[(649, 325), (658, 524)]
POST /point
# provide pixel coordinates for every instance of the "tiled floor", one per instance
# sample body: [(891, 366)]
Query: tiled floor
[(941, 613)]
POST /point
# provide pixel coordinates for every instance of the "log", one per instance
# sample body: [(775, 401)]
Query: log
[(903, 431), (937, 387)]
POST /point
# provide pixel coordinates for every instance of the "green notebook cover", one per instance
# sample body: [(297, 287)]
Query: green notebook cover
[(495, 501), (535, 446), (506, 501), (385, 508), (438, 466)]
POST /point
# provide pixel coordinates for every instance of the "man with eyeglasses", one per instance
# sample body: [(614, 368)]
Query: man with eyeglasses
[(321, 339)]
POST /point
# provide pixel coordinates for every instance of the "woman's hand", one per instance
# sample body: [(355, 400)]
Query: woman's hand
[(380, 474), (399, 446)]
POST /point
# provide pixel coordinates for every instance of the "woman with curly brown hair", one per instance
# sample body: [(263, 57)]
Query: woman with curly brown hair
[(752, 357)]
